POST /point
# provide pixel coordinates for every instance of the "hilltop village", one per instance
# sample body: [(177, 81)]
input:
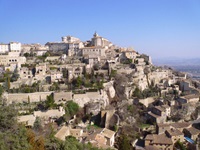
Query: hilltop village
[(98, 94)]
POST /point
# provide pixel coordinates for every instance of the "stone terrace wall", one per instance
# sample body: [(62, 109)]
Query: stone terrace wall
[(23, 97)]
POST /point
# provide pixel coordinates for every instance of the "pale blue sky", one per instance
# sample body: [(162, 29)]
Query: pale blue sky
[(160, 28)]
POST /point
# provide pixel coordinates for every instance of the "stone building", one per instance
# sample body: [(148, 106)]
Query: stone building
[(93, 51), (159, 114), (11, 47), (70, 39), (175, 135), (69, 45), (102, 138), (25, 73), (7, 60), (68, 131), (99, 41), (56, 76), (4, 48), (159, 141)]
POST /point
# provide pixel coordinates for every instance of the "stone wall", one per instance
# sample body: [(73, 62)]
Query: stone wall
[(58, 46), (23, 97)]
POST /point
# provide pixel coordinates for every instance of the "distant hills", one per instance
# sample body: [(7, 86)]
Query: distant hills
[(177, 61)]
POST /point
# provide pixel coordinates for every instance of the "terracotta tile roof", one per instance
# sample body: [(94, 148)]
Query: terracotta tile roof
[(180, 125), (159, 139), (193, 130), (174, 132), (162, 139), (62, 133), (149, 137), (163, 125), (107, 133)]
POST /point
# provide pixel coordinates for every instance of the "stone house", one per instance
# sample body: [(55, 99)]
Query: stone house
[(25, 73), (192, 98), (162, 127), (68, 131), (175, 135), (74, 71), (56, 76), (159, 114), (160, 141), (40, 71), (103, 138), (162, 110), (184, 85), (191, 132), (40, 52), (155, 118), (180, 125), (109, 136), (7, 59), (93, 51)]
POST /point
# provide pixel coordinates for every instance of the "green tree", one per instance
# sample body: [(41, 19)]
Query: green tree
[(55, 87), (137, 93), (8, 119), (15, 76), (26, 55), (28, 99), (12, 136), (113, 73), (37, 126), (50, 103), (78, 81), (8, 82), (1, 90), (71, 108), (179, 145), (124, 143)]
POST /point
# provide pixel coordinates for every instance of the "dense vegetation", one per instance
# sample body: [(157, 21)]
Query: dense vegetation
[(14, 136)]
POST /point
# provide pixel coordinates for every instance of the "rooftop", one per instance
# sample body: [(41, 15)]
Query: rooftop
[(159, 139), (191, 96), (193, 130), (180, 125), (174, 132), (107, 133), (62, 133)]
